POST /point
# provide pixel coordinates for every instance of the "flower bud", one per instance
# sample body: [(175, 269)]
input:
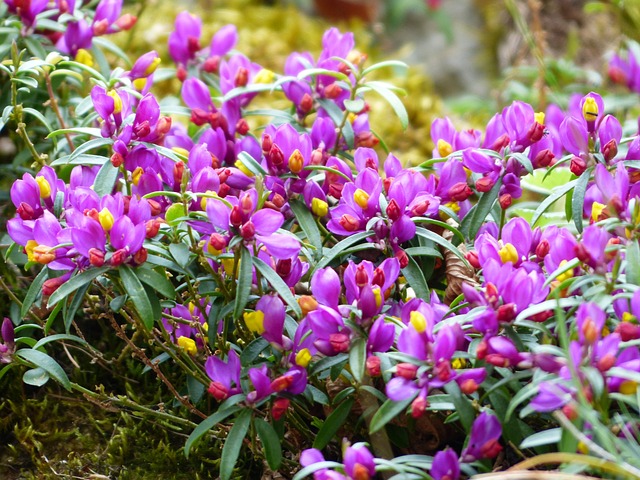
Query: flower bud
[(306, 103), (505, 201), (543, 158), (460, 191), (276, 156), (406, 370), (51, 285), (296, 161), (117, 159), (542, 249), (279, 408), (25, 211), (393, 210), (235, 217), (248, 230), (373, 366), (242, 127), (152, 227), (402, 257), (418, 406), (333, 91), (140, 256), (96, 257), (484, 184), (610, 150), (307, 304), (349, 222), (361, 276), (242, 77), (340, 342), (211, 64), (218, 391), (578, 166), (126, 21), (472, 258)]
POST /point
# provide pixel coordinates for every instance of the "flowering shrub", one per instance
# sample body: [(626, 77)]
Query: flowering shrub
[(306, 291)]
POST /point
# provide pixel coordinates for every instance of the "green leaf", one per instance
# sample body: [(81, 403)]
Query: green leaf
[(329, 256), (69, 309), (277, 283), (35, 289), (546, 437), (354, 106), (233, 444), (357, 358), (464, 408), (91, 131), (58, 336), (39, 116), (206, 425), (387, 63), (252, 164), (393, 100), (243, 285), (336, 116), (308, 224), (251, 351), (556, 194), (159, 282), (429, 235), (523, 160), (333, 423), (44, 361), (388, 411), (74, 283), (478, 214), (577, 201), (413, 273), (180, 253), (308, 72), (270, 443), (36, 377), (633, 263), (138, 295), (106, 179)]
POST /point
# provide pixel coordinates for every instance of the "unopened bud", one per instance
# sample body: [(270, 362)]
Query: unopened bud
[(543, 158), (280, 407), (505, 201), (218, 391), (242, 127), (460, 191), (349, 222), (418, 406), (140, 256), (96, 257), (333, 91), (473, 259), (242, 77), (306, 103), (340, 342), (484, 184), (307, 304), (117, 159), (406, 370), (126, 21), (610, 150), (211, 64), (373, 366), (578, 166), (402, 257), (296, 161)]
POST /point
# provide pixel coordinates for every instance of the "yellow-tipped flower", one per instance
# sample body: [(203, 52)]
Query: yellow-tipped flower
[(84, 56), (188, 344), (140, 83), (29, 247), (418, 321), (564, 276), (296, 161), (539, 117), (117, 101), (458, 363), (264, 76), (361, 198), (105, 217), (596, 210), (152, 66), (319, 207), (303, 357), (244, 169), (628, 387), (590, 109), (628, 317), (136, 174), (255, 321), (508, 253), (45, 187), (444, 148)]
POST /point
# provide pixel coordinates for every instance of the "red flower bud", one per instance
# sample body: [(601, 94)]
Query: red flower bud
[(267, 143), (361, 276), (506, 312), (484, 184), (181, 73), (418, 406), (340, 342), (306, 103), (152, 227), (211, 64), (118, 257), (248, 230), (332, 91), (51, 285), (218, 391), (535, 132), (235, 217), (280, 407), (543, 158), (126, 21), (578, 166), (349, 222), (610, 150), (402, 257), (460, 191), (242, 127), (366, 139), (242, 77), (178, 171), (96, 257), (542, 249), (373, 366), (393, 210), (472, 258), (117, 159), (505, 201), (281, 383), (406, 370), (276, 156), (140, 256), (378, 277), (217, 241), (25, 211)]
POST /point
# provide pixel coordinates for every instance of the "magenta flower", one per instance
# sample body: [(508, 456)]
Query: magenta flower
[(225, 376), (445, 465), (184, 41), (483, 439), (8, 345)]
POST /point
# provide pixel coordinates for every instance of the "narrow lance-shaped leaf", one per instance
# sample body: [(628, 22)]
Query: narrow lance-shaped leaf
[(233, 444)]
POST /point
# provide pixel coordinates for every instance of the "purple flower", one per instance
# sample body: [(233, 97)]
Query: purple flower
[(483, 439), (184, 41), (358, 462), (445, 465), (225, 376), (8, 345)]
